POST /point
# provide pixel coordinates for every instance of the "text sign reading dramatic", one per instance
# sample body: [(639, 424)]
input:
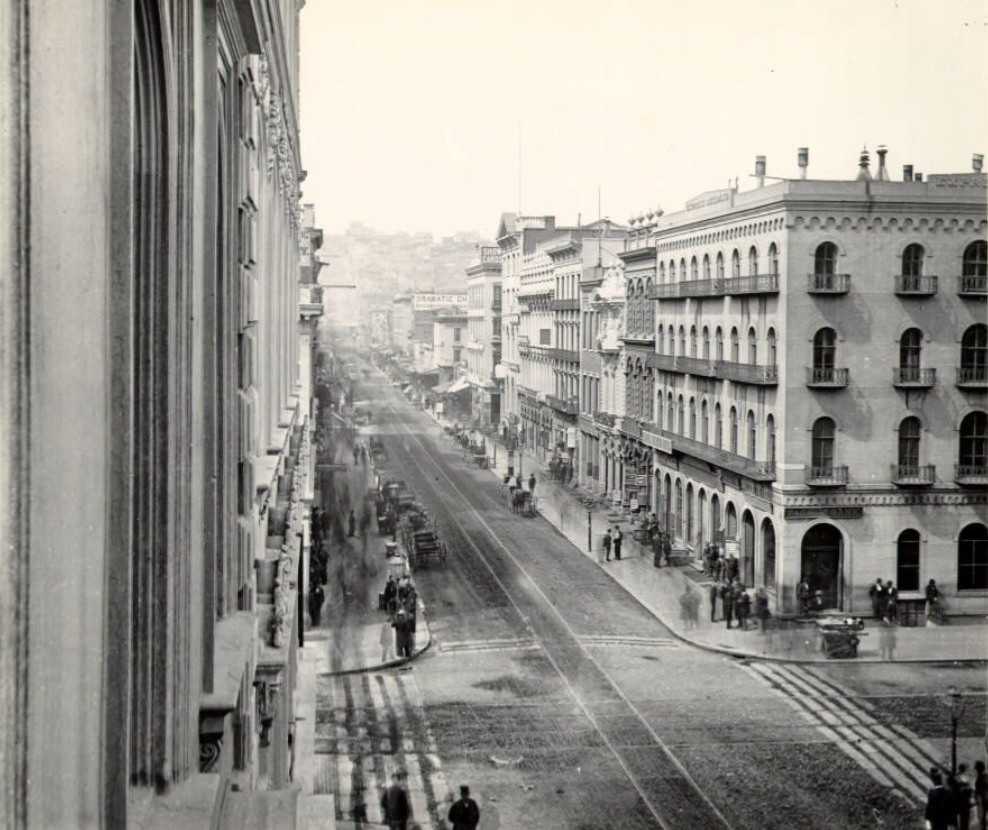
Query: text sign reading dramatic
[(426, 302), (710, 198)]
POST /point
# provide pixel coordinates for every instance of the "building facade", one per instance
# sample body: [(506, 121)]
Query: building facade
[(483, 346), (151, 223)]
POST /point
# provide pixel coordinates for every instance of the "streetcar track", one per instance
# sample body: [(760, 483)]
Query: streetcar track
[(551, 653)]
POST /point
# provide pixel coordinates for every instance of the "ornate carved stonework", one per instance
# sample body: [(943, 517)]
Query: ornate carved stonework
[(210, 749)]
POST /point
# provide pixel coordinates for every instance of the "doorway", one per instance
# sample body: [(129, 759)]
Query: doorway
[(821, 561)]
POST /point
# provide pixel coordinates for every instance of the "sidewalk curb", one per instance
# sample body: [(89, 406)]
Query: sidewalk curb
[(391, 664)]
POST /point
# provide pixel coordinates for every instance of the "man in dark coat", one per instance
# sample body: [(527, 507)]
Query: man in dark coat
[(940, 812), (395, 805), (403, 636), (714, 591), (607, 545), (877, 594), (316, 597), (531, 484), (727, 600), (616, 541), (464, 814)]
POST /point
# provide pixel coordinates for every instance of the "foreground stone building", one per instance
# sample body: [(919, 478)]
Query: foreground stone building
[(154, 409)]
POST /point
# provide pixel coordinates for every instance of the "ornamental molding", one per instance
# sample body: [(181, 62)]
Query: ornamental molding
[(888, 223), (280, 159), (885, 500)]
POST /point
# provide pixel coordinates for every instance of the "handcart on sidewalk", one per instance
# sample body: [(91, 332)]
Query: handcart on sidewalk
[(840, 636)]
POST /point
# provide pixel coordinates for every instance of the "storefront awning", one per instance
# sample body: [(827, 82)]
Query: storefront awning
[(458, 386)]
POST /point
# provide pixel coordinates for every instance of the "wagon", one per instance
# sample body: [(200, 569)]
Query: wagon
[(425, 546), (840, 637)]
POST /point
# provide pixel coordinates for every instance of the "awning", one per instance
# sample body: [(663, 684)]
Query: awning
[(441, 388), (458, 386)]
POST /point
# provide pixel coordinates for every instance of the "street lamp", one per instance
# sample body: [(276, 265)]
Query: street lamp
[(956, 704)]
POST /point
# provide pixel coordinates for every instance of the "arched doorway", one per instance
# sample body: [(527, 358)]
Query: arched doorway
[(821, 562), (667, 521), (748, 549), (716, 528), (732, 522), (768, 553)]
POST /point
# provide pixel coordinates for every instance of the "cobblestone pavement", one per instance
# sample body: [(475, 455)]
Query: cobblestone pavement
[(563, 703)]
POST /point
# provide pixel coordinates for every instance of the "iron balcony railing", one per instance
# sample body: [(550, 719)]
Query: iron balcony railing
[(972, 377), (915, 474), (696, 366), (973, 285), (827, 377), (829, 283), (913, 377), (570, 406), (752, 284), (757, 470), (976, 473), (915, 285), (826, 476), (747, 373)]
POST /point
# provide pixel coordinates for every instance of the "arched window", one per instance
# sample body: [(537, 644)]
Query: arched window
[(706, 343), (682, 270), (682, 341), (682, 416), (768, 547), (772, 348), (670, 414), (752, 347), (679, 508), (720, 266), (972, 558), (823, 448), (770, 441), (974, 354), (975, 263), (660, 340), (973, 456), (910, 351), (735, 346), (719, 337), (734, 430), (704, 422), (912, 261), (688, 537), (692, 341), (718, 427), (672, 340), (672, 270), (693, 418), (752, 436), (824, 354), (773, 259), (753, 261), (662, 272), (907, 561), (706, 266), (701, 517), (909, 432), (715, 519), (694, 274), (825, 259), (735, 264)]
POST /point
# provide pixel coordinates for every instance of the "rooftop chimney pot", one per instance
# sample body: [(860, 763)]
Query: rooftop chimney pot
[(760, 170), (803, 160), (919, 177), (977, 162), (907, 172), (883, 174)]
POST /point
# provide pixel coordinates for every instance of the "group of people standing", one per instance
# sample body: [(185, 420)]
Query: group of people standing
[(613, 539), (884, 600), (738, 603), (950, 799), (398, 631)]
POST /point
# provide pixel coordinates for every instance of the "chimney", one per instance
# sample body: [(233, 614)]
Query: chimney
[(907, 172), (977, 161), (918, 177), (803, 160), (864, 174), (883, 174), (760, 170)]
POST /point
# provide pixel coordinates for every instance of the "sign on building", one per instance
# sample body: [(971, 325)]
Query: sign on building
[(427, 302)]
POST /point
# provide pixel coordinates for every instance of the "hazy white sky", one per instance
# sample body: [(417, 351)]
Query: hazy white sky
[(412, 111)]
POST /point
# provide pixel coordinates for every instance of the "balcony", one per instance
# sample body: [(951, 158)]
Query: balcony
[(756, 470), (973, 285), (572, 355), (701, 288), (666, 362), (604, 418), (310, 300), (569, 406), (828, 476), (914, 475), (972, 377), (747, 373), (971, 475), (696, 366), (826, 378), (565, 305), (913, 377), (752, 284), (828, 283), (915, 285), (666, 291)]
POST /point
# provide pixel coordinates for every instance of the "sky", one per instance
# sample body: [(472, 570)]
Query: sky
[(439, 115)]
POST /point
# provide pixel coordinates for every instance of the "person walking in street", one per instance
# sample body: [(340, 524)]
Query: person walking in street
[(686, 609), (877, 594), (616, 541), (607, 545), (887, 638), (727, 601), (464, 814), (387, 643), (981, 794), (742, 606), (403, 637), (939, 804), (395, 805), (762, 614), (714, 591), (531, 484)]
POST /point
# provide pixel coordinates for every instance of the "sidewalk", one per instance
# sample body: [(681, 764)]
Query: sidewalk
[(659, 590)]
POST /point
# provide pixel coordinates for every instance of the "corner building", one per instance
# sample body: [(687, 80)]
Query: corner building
[(815, 397)]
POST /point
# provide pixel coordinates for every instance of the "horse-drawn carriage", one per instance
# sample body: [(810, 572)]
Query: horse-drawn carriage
[(378, 454), (523, 503)]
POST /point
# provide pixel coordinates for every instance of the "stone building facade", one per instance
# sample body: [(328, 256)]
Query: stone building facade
[(154, 409)]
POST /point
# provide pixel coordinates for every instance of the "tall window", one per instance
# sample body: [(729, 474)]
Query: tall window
[(679, 508), (682, 417), (975, 262), (704, 422), (973, 457), (682, 270), (720, 266), (706, 266), (672, 341), (693, 269), (823, 446), (770, 444), (682, 341), (662, 272), (824, 352), (825, 259), (972, 558), (670, 414), (720, 343), (773, 259), (752, 435), (735, 346), (706, 343), (693, 418), (718, 428), (772, 348), (910, 350), (692, 341), (974, 353), (752, 347), (909, 432), (734, 430), (753, 260), (735, 264), (907, 561), (912, 267), (689, 514)]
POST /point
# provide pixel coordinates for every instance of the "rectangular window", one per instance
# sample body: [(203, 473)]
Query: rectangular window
[(545, 337)]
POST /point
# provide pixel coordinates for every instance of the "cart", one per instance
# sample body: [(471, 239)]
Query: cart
[(425, 546), (840, 636)]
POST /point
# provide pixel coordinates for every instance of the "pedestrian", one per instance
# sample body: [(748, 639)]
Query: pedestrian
[(387, 650), (356, 455), (714, 591), (963, 794), (939, 804), (742, 604), (390, 594), (932, 602), (762, 614), (607, 545), (685, 610), (395, 805), (803, 594), (981, 794), (316, 598), (531, 484), (887, 640), (727, 601), (403, 645), (891, 602), (877, 594), (616, 541), (464, 814), (352, 523)]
